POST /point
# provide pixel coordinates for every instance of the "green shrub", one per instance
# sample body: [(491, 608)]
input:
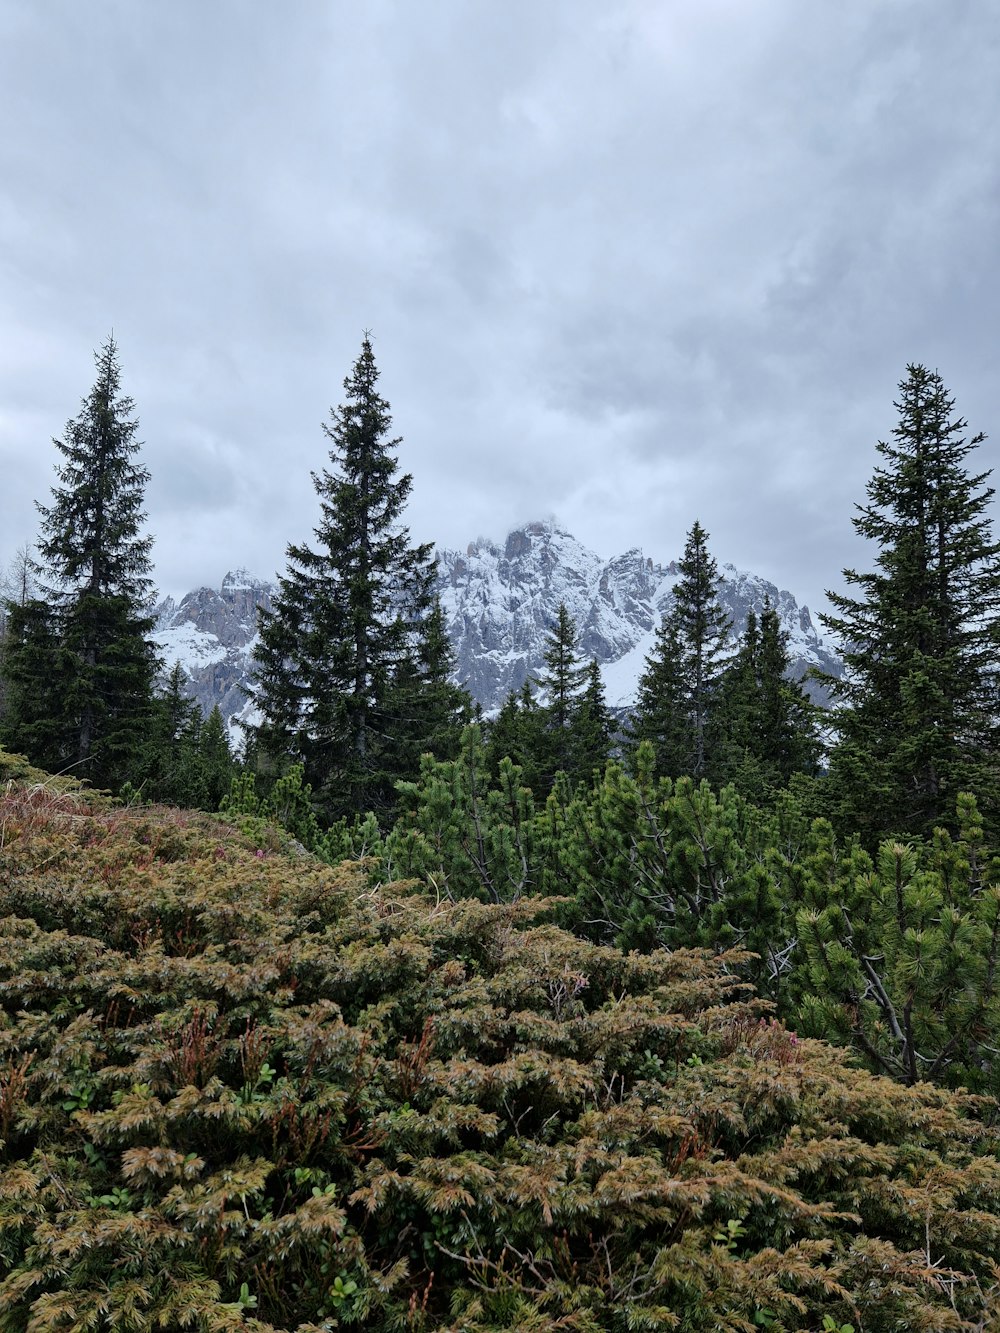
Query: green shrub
[(241, 1089)]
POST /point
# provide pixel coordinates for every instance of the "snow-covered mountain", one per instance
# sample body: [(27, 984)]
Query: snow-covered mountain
[(500, 602), (212, 634)]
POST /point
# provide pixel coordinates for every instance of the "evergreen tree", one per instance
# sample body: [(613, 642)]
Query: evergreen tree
[(462, 833), (562, 684), (172, 744), (921, 636), (189, 761), (347, 616), (677, 708), (17, 588), (36, 682), (215, 761), (567, 730), (741, 693), (593, 725), (79, 663), (564, 678), (661, 717), (769, 724), (517, 734), (428, 711), (18, 583), (702, 629), (899, 952), (789, 720)]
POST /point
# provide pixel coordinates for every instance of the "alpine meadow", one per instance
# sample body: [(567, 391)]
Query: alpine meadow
[(410, 1015)]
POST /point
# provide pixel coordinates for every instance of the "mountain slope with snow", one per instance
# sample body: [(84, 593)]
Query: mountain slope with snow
[(500, 602), (212, 633)]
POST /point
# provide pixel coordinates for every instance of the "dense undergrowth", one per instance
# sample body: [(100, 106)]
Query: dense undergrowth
[(239, 1088), (892, 952)]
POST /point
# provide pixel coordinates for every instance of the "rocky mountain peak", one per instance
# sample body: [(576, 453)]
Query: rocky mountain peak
[(241, 580), (500, 601), (211, 632)]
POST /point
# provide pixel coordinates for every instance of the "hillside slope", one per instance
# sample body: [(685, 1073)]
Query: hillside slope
[(242, 1090)]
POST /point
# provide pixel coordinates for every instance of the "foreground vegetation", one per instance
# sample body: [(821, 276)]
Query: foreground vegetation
[(894, 952), (241, 1088)]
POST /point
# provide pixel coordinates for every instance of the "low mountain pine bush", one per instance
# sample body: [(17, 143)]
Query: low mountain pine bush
[(241, 1089)]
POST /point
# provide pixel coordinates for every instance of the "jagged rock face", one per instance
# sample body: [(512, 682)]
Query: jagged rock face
[(212, 634), (500, 602)]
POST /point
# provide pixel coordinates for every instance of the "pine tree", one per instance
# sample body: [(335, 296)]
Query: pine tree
[(562, 684), (899, 952), (593, 726), (769, 725), (921, 636), (678, 702), (79, 662), (661, 716), (348, 614)]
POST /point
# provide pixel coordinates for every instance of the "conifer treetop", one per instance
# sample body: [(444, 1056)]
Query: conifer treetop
[(338, 650), (921, 627), (91, 539)]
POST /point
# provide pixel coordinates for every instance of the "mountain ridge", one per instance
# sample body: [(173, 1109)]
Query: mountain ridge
[(500, 600)]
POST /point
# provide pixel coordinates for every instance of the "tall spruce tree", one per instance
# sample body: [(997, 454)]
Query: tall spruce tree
[(562, 683), (347, 616), (921, 636), (79, 662), (678, 702)]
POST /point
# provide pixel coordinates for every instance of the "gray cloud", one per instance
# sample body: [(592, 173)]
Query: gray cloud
[(629, 264)]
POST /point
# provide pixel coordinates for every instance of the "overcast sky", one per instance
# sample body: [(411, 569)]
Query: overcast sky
[(628, 264)]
